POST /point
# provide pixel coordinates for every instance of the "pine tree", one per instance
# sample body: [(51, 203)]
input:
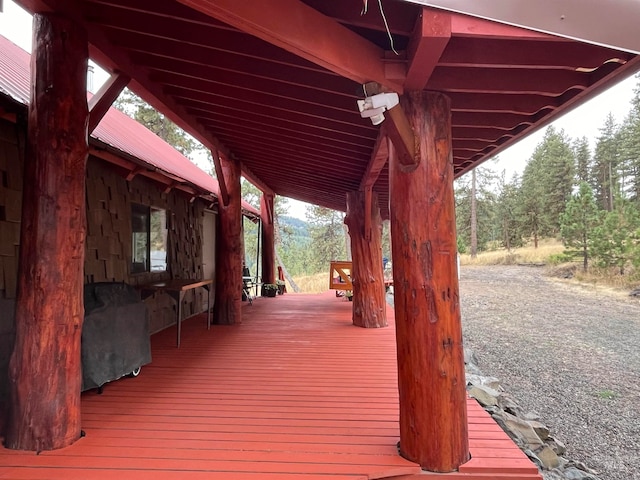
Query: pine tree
[(507, 213), (547, 184), (616, 240), (327, 236), (582, 154), (629, 151), (531, 206), (605, 165), (485, 201), (577, 223)]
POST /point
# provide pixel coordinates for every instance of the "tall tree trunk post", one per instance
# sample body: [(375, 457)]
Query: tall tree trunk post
[(227, 309), (431, 378), (369, 308), (45, 372), (474, 216), (268, 238)]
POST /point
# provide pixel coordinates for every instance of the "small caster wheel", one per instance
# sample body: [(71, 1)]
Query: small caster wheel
[(135, 372)]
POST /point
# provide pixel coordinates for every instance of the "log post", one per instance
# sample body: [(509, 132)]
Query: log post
[(45, 372), (369, 309), (431, 378), (268, 238), (229, 249)]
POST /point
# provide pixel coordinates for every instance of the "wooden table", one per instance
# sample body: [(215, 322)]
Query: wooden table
[(176, 289)]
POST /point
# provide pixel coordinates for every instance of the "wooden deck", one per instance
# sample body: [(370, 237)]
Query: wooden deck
[(294, 392)]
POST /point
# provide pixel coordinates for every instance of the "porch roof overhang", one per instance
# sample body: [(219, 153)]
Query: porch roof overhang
[(274, 84), (117, 139)]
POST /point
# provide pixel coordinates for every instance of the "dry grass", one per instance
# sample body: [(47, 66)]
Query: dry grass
[(609, 277), (527, 254), (317, 283)]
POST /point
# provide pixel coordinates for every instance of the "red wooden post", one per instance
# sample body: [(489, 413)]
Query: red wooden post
[(431, 379), (45, 372), (229, 249), (268, 239), (369, 309)]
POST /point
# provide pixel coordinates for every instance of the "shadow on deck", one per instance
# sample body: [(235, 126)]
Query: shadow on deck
[(293, 392)]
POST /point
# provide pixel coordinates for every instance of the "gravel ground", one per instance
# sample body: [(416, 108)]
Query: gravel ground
[(569, 353)]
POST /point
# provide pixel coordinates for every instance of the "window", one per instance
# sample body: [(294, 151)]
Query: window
[(149, 239)]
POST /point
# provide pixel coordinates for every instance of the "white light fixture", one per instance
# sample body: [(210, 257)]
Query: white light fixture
[(374, 106)]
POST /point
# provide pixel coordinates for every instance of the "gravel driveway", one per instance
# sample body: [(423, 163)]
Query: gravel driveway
[(566, 352)]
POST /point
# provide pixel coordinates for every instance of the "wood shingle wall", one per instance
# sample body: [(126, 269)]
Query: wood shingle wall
[(109, 236), (108, 255)]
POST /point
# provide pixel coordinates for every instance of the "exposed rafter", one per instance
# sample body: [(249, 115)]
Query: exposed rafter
[(428, 41), (341, 50)]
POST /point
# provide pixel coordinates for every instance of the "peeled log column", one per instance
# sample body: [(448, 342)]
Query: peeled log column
[(44, 372), (268, 239), (229, 250), (369, 309), (431, 380)]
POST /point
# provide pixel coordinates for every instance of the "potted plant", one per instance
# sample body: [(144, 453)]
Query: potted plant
[(269, 289), (281, 286)]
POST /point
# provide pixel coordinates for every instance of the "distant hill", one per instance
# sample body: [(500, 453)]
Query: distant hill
[(298, 228)]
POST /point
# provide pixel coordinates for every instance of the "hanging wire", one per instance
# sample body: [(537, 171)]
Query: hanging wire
[(365, 9), (386, 25)]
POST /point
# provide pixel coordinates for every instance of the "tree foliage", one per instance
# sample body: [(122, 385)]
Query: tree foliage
[(328, 239), (578, 221)]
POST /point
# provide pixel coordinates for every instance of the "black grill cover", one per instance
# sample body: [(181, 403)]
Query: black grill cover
[(115, 334)]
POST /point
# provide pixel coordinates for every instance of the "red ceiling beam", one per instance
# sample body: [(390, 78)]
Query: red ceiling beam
[(103, 99), (264, 133), (466, 26), (507, 81), (430, 37), (197, 61), (208, 116), (211, 103), (497, 120), (262, 101), (517, 104), (539, 54), (299, 29)]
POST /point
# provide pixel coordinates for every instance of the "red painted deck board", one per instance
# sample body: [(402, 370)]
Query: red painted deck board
[(293, 392)]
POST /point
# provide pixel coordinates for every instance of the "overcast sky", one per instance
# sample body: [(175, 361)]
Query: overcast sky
[(585, 120)]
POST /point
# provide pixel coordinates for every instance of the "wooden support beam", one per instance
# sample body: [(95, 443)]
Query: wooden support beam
[(268, 238), (430, 37), (217, 164), (99, 103), (312, 35), (379, 158), (45, 371), (369, 307), (399, 130), (431, 377), (405, 141), (229, 248)]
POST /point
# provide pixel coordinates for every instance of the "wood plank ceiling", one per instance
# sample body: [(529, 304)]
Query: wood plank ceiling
[(294, 124)]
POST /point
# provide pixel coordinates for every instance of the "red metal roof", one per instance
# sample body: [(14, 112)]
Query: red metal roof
[(116, 129)]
